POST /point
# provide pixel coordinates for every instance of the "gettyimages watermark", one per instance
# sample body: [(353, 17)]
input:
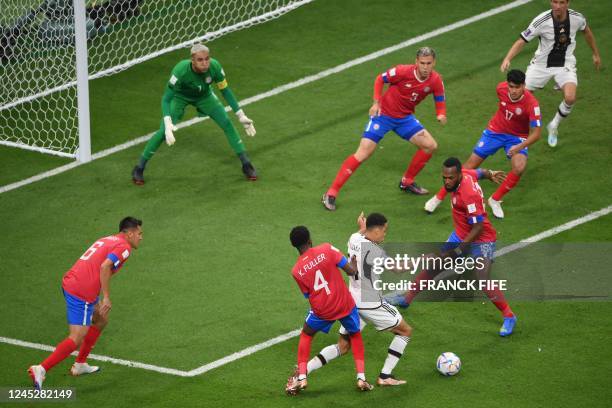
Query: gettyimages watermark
[(449, 272)]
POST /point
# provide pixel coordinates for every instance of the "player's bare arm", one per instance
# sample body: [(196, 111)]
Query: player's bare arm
[(516, 48), (105, 277), (379, 86), (351, 267), (590, 39), (534, 136), (496, 176)]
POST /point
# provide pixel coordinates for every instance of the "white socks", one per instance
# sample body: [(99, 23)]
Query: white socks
[(325, 356), (562, 112), (396, 349)]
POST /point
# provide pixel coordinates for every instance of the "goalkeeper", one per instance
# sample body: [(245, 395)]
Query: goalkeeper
[(190, 84)]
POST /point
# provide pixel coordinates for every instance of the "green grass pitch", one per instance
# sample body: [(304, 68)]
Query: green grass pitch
[(212, 276)]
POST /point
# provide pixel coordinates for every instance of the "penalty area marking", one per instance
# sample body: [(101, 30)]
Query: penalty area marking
[(294, 333), (278, 90)]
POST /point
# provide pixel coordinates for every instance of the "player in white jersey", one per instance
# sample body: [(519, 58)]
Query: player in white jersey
[(554, 58), (373, 309)]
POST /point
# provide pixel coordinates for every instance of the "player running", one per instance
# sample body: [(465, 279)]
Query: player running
[(373, 309), (316, 273), (556, 30), (190, 84), (81, 286), (473, 235), (516, 125), (394, 110)]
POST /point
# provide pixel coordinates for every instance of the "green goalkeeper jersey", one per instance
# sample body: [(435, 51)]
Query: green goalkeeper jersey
[(191, 87)]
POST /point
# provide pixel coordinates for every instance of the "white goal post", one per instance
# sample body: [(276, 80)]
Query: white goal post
[(51, 49)]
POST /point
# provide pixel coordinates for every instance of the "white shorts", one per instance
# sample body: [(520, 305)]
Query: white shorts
[(384, 317), (538, 76)]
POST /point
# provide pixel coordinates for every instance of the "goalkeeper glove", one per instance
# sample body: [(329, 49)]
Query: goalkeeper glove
[(169, 128), (246, 123)]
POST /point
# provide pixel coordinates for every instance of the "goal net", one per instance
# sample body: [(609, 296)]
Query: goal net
[(38, 73)]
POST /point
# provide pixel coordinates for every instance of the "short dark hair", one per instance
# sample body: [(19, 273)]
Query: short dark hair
[(453, 162), (299, 236), (129, 223), (516, 76), (375, 220)]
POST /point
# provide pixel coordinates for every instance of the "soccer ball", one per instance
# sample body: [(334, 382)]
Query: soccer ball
[(448, 364)]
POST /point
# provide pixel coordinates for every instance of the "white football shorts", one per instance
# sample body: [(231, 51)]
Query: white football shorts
[(537, 76), (384, 317)]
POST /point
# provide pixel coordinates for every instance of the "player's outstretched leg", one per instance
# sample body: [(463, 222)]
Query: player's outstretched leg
[(298, 381), (151, 147), (80, 366), (366, 148), (396, 349), (359, 357), (326, 355)]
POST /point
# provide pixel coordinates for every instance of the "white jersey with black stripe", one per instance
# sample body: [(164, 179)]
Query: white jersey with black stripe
[(361, 285), (562, 43)]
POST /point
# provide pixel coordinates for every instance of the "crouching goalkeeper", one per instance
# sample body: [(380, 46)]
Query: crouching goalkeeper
[(190, 84)]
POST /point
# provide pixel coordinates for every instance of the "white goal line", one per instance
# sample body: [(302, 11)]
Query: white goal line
[(280, 89)]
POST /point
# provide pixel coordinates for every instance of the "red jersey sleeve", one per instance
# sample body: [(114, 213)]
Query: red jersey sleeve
[(474, 208), (395, 74), (334, 254), (535, 118), (439, 96), (119, 255)]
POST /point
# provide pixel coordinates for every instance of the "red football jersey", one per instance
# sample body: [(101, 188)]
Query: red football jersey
[(515, 117), (469, 208), (83, 279), (406, 91), (316, 273)]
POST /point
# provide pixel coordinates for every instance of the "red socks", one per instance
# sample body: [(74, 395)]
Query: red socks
[(511, 180), (419, 160), (358, 352), (304, 353), (499, 300), (60, 353), (424, 275), (90, 340), (441, 194), (346, 170)]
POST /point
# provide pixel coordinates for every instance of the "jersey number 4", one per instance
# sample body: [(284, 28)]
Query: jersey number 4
[(92, 249), (321, 283)]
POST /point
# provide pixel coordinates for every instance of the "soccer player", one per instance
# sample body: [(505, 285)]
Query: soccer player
[(316, 273), (473, 235), (81, 285), (373, 309), (394, 110), (190, 84), (556, 30), (515, 126)]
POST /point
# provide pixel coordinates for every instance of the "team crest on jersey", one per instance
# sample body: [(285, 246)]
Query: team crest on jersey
[(503, 103), (208, 80), (427, 89), (518, 111)]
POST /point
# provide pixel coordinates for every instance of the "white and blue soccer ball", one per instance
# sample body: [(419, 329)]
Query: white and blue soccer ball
[(448, 363)]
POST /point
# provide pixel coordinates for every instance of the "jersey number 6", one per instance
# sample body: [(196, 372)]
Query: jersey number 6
[(92, 249)]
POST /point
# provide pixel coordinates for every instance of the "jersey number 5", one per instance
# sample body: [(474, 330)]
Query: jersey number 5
[(92, 249), (320, 282)]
